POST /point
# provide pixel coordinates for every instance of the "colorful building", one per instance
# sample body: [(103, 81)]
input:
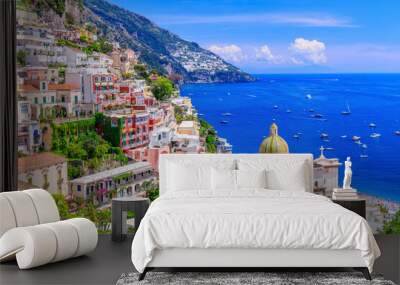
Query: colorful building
[(122, 181)]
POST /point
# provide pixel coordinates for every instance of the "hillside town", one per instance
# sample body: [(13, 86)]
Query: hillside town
[(89, 123)]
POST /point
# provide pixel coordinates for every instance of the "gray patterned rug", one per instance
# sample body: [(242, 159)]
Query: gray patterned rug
[(269, 278)]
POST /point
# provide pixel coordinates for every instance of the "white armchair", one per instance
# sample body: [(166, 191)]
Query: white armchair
[(31, 230)]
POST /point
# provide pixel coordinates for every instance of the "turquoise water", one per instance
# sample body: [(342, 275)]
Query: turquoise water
[(372, 98)]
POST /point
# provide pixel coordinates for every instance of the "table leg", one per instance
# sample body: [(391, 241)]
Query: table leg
[(116, 222)]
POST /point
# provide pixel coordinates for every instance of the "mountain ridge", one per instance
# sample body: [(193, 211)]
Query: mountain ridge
[(159, 48)]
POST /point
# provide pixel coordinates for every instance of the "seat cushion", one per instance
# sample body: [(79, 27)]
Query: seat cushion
[(45, 205), (23, 208)]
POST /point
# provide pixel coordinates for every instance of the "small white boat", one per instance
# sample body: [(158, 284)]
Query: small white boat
[(343, 136), (358, 142), (356, 138), (288, 111), (372, 126), (375, 135), (323, 135), (364, 155), (226, 114), (275, 106), (308, 96), (224, 122), (397, 133), (364, 146), (296, 136)]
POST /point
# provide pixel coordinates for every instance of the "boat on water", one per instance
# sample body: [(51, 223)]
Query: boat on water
[(201, 114), (358, 142), (356, 138), (323, 135), (311, 110), (343, 136), (226, 114), (347, 111), (364, 146), (296, 136), (275, 106), (397, 133), (374, 135), (223, 122), (372, 125), (317, 116), (308, 96), (288, 111), (364, 155)]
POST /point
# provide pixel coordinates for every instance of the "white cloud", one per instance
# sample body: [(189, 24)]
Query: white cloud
[(308, 51), (265, 53), (229, 52)]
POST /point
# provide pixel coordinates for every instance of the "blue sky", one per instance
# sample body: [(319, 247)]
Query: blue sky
[(282, 36)]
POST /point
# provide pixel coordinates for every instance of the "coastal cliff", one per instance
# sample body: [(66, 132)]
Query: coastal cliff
[(159, 48)]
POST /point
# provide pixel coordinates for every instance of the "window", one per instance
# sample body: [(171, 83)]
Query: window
[(36, 100), (52, 99), (44, 100)]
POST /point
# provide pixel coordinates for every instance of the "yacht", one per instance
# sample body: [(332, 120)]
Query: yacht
[(364, 155), (372, 126), (224, 122), (356, 138), (275, 106), (358, 142), (347, 111), (308, 96), (343, 136), (397, 133), (296, 136), (375, 135), (364, 146)]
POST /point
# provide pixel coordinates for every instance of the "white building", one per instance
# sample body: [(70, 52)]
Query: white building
[(160, 137), (44, 170), (75, 57), (326, 174)]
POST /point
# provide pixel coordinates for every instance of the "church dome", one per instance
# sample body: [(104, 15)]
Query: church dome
[(274, 143)]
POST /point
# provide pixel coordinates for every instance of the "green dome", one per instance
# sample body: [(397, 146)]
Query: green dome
[(274, 143)]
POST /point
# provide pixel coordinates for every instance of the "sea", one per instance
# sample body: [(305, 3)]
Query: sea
[(306, 106)]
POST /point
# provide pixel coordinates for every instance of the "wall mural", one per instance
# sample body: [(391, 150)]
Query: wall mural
[(102, 92)]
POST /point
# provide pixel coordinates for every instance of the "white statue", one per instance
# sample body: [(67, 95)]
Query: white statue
[(347, 174)]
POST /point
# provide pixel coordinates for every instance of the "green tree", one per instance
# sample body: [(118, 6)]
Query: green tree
[(62, 206), (162, 88), (141, 71), (21, 57), (393, 226)]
